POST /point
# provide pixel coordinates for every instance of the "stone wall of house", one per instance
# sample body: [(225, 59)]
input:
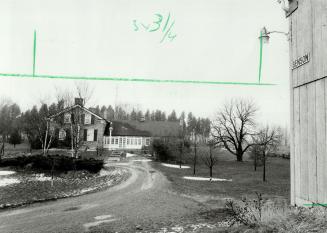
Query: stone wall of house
[(98, 125)]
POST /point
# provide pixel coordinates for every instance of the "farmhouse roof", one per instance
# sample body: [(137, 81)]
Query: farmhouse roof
[(121, 128), (77, 106), (152, 128)]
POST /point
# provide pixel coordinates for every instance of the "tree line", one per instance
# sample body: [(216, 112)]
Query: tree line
[(33, 122)]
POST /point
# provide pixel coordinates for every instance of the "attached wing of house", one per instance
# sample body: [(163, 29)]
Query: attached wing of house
[(134, 135)]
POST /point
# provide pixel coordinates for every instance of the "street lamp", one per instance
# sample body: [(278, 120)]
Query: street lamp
[(264, 34)]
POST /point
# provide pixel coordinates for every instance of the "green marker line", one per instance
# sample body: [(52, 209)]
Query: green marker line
[(315, 204), (135, 79), (260, 61), (34, 53)]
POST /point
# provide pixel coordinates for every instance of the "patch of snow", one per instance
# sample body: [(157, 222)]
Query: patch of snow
[(93, 224), (204, 178), (175, 166), (104, 172), (178, 229), (142, 160), (8, 181), (201, 226), (102, 217), (130, 155), (41, 177), (87, 190), (6, 173)]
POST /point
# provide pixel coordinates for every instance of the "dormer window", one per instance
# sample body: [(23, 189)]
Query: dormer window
[(67, 118), (87, 119)]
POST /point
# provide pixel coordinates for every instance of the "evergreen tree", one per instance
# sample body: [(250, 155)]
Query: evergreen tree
[(147, 115), (15, 137), (172, 116)]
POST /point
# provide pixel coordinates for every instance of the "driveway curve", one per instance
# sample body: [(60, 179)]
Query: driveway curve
[(143, 202)]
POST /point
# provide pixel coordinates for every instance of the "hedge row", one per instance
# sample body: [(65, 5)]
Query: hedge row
[(54, 162)]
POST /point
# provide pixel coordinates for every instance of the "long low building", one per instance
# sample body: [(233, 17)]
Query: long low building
[(124, 136), (135, 135)]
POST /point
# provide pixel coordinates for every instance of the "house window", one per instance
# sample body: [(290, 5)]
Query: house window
[(112, 141), (87, 119), (140, 141), (90, 135), (62, 134), (92, 119), (67, 118), (147, 141), (127, 141), (85, 135), (95, 138), (116, 141)]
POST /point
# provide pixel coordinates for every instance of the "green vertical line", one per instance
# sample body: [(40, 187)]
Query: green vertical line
[(260, 61), (34, 53)]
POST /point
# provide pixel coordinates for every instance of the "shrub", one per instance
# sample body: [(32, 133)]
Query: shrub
[(56, 162), (247, 212), (169, 150), (261, 216), (162, 149)]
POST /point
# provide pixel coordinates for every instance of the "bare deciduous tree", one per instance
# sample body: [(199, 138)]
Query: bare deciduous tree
[(209, 160), (84, 90), (266, 140), (64, 97), (234, 126)]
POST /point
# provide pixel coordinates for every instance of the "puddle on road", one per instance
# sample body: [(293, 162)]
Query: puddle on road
[(72, 208), (80, 207)]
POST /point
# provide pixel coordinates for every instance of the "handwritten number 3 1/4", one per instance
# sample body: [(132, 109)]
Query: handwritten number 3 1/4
[(157, 23), (155, 26)]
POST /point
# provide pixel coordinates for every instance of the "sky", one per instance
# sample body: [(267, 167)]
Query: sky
[(216, 40)]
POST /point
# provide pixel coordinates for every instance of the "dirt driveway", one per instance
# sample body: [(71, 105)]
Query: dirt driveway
[(141, 204)]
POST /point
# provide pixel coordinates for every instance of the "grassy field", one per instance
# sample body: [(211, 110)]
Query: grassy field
[(245, 181)]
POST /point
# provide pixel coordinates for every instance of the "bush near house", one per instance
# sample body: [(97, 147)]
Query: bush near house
[(57, 163), (168, 150)]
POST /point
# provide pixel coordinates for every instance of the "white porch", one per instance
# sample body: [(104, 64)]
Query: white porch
[(125, 142)]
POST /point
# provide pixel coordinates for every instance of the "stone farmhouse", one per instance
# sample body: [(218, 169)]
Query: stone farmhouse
[(95, 131)]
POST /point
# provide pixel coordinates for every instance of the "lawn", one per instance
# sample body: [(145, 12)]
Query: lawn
[(245, 181)]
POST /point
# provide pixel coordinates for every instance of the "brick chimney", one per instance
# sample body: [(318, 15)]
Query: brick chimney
[(79, 101)]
